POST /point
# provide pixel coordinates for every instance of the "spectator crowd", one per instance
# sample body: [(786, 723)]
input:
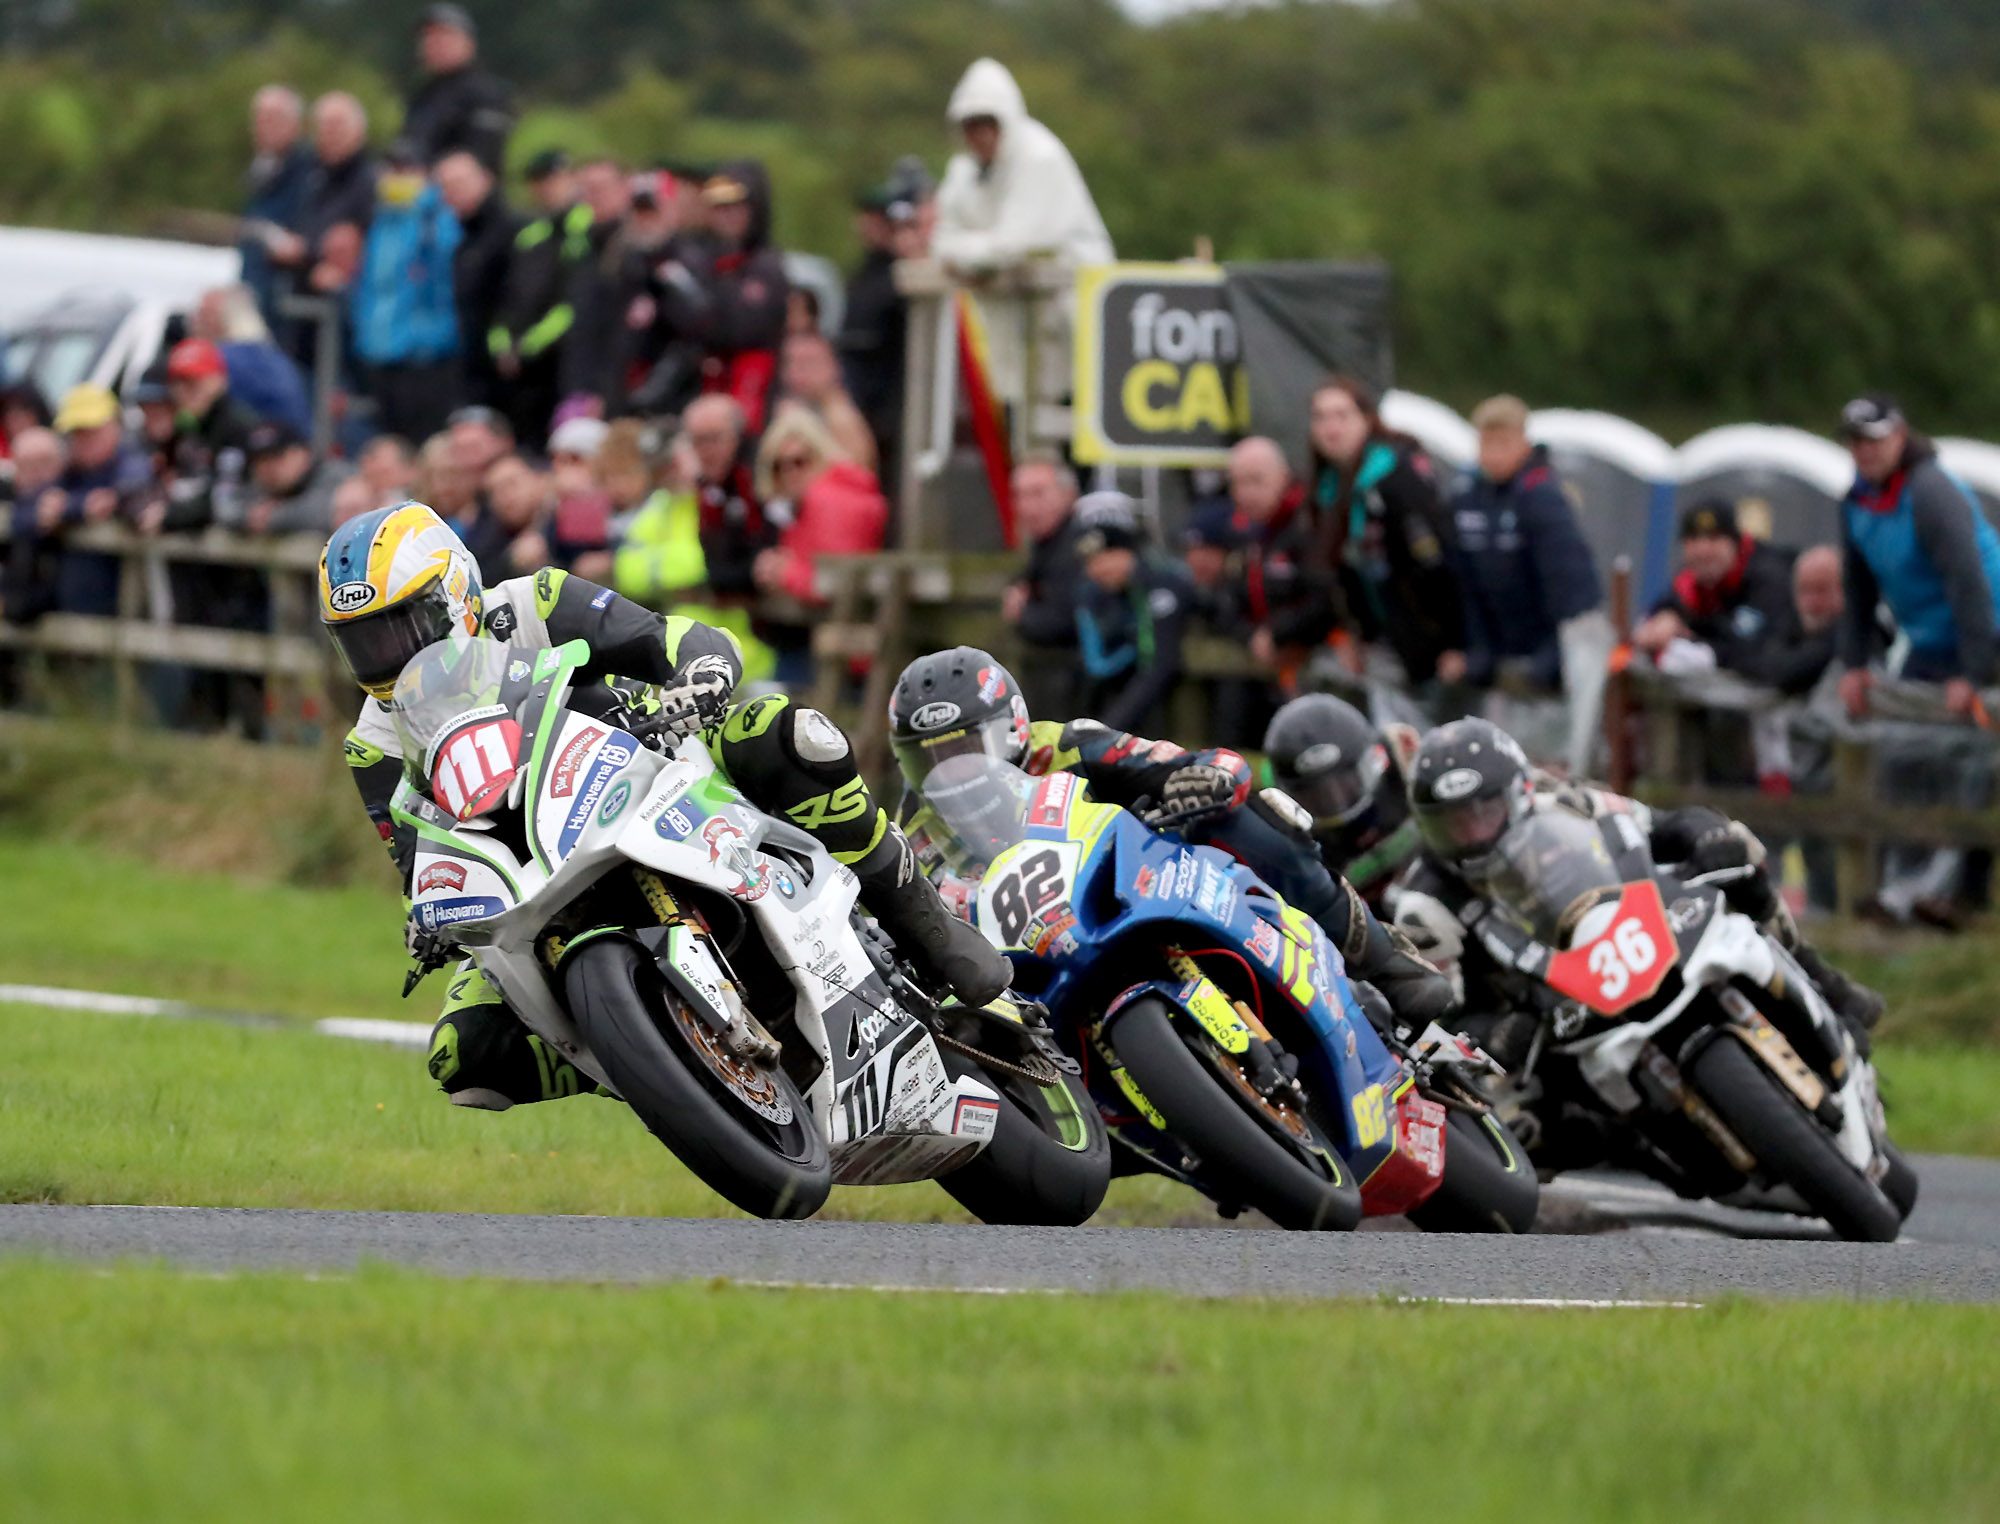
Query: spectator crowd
[(621, 378)]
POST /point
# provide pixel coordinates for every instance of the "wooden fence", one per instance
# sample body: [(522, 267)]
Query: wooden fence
[(293, 657)]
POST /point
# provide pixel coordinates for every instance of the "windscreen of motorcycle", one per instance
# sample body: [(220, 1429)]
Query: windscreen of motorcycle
[(445, 682), (1549, 863), (980, 803)]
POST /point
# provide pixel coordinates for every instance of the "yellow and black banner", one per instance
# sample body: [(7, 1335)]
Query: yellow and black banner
[(1160, 379)]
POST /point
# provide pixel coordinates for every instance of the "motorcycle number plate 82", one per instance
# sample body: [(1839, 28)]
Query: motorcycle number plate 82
[(1024, 885), (1625, 958)]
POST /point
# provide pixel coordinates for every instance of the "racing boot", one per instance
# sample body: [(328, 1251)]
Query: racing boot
[(1859, 1006), (946, 951), (1387, 959)]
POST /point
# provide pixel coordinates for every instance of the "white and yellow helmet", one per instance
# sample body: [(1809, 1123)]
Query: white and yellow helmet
[(392, 582)]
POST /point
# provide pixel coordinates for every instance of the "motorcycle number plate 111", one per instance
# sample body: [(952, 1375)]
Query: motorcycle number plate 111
[(1625, 958), (475, 767)]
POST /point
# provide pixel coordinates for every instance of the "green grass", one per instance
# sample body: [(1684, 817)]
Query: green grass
[(183, 1113), (145, 1394)]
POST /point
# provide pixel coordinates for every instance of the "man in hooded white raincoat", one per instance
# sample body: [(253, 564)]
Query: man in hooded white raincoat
[(1012, 194)]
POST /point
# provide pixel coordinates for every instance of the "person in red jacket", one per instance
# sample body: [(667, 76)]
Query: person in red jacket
[(827, 504)]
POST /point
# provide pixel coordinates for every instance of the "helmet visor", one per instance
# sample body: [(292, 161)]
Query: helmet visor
[(1338, 795), (376, 647), (998, 738), (1458, 831)]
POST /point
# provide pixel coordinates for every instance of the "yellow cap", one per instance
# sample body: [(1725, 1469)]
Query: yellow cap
[(86, 407)]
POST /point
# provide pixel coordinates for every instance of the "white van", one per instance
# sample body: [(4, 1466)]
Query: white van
[(90, 307)]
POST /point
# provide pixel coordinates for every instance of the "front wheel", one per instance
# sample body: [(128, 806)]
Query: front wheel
[(1211, 1108), (1048, 1163), (1790, 1147), (1488, 1186), (742, 1127)]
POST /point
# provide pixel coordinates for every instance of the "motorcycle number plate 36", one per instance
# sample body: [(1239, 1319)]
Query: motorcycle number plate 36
[(1627, 958)]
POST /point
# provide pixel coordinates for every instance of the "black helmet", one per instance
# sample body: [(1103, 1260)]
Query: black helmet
[(1326, 755), (1467, 783), (952, 703)]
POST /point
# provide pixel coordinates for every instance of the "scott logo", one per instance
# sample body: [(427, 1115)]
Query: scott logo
[(934, 716), (563, 775), (441, 876), (350, 597)]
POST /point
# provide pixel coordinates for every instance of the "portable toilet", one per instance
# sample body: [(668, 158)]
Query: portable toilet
[(1977, 464), (1786, 484)]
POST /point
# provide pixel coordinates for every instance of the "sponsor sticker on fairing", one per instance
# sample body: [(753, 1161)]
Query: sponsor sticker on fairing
[(1052, 798), (673, 825), (1144, 880), (975, 1119), (1265, 941), (562, 777), (432, 914), (1217, 895), (440, 876)]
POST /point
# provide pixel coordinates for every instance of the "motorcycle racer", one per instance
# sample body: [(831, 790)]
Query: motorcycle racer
[(964, 701), (1469, 781), (397, 580), (1349, 777)]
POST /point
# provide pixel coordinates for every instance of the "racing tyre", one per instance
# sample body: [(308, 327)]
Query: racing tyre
[(1790, 1146), (1236, 1141), (743, 1129), (1899, 1182), (1488, 1187), (1049, 1161)]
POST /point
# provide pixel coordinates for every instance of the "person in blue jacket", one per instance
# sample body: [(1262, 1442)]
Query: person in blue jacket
[(1915, 539), (402, 307), (1524, 568)]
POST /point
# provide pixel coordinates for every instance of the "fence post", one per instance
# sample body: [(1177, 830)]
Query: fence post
[(892, 617), (1853, 787), (1618, 685)]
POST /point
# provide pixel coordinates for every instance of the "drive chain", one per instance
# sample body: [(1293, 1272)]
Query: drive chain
[(1034, 1068)]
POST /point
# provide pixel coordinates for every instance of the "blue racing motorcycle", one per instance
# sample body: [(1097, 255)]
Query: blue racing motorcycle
[(1215, 1025)]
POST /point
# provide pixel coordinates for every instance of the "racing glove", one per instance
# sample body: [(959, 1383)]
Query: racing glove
[(1206, 785), (697, 697)]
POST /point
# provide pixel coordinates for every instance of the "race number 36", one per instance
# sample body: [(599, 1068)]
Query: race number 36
[(1628, 950)]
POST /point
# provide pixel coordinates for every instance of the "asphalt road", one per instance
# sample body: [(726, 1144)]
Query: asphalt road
[(1635, 1249)]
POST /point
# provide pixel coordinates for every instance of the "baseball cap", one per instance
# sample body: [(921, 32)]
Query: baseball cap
[(193, 358), (1106, 521), (86, 406), (550, 161), (1711, 517), (579, 436), (270, 438), (722, 190), (1872, 415), (457, 17)]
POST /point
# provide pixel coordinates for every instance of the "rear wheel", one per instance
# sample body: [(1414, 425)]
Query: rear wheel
[(742, 1127), (1261, 1154), (1791, 1148), (1049, 1161), (1488, 1187)]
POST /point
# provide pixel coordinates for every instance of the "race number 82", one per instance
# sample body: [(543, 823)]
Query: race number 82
[(1025, 892)]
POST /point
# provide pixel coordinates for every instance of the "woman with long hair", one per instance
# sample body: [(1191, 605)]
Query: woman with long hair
[(1381, 531)]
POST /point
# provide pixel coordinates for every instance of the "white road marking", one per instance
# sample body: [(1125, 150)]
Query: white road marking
[(402, 1034)]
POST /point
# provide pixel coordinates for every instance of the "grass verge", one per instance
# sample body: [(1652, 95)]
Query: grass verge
[(180, 1113), (144, 1394)]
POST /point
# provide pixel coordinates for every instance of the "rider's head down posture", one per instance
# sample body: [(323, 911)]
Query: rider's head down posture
[(397, 580), (1470, 781), (963, 702), (1348, 776)]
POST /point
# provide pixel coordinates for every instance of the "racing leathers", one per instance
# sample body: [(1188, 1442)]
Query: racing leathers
[(1442, 915), (790, 761), (1210, 799)]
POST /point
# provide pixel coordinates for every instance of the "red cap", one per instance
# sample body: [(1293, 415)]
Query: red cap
[(193, 358)]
